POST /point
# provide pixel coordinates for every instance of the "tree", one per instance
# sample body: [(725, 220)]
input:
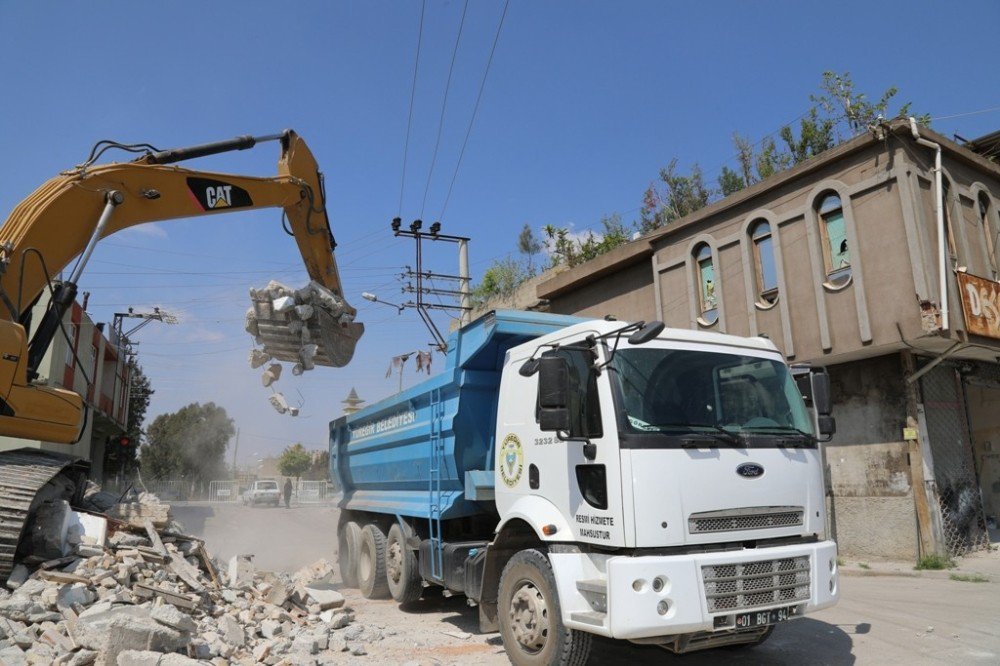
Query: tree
[(850, 110), (500, 280), (294, 461), (189, 443), (320, 468), (529, 246), (125, 458), (677, 195)]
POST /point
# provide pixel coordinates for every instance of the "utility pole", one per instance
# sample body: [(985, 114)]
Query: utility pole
[(419, 277), (236, 448)]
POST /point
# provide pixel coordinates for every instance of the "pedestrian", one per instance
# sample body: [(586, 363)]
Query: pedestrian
[(288, 493)]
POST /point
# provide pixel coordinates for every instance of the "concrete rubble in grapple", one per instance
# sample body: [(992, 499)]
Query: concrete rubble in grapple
[(307, 327), (152, 595)]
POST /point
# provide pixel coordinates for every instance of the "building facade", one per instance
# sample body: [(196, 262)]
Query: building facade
[(92, 363), (858, 261)]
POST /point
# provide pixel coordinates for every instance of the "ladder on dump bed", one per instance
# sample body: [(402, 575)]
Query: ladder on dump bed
[(437, 409)]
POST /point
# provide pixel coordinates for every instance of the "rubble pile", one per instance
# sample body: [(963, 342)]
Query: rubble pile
[(139, 592)]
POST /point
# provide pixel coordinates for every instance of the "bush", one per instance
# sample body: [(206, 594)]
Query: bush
[(934, 562)]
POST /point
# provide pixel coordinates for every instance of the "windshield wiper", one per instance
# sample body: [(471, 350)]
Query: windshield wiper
[(796, 437), (721, 434)]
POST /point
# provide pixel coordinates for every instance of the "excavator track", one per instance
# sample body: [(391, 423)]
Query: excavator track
[(23, 474)]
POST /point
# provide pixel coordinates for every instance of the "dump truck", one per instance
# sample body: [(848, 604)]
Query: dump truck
[(577, 477)]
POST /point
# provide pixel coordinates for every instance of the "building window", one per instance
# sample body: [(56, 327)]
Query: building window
[(708, 303), (836, 253), (763, 258), (990, 231)]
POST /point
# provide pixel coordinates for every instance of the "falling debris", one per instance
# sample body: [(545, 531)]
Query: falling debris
[(284, 320), (279, 403), (271, 375), (258, 358)]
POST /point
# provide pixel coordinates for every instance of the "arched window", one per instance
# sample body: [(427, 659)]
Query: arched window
[(946, 201), (990, 231), (707, 294), (763, 258), (836, 253)]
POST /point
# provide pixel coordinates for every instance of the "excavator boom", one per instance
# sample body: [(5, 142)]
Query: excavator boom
[(69, 214)]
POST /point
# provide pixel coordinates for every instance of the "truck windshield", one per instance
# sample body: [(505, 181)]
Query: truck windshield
[(670, 390)]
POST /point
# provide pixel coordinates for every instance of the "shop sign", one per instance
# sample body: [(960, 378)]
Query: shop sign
[(981, 305)]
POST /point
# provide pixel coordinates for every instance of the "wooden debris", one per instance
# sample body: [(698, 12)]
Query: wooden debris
[(61, 577), (171, 597), (154, 538)]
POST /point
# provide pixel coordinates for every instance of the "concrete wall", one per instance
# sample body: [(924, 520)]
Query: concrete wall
[(872, 513)]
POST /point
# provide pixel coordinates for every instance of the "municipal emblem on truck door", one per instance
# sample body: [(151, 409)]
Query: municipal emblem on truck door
[(217, 195), (511, 462)]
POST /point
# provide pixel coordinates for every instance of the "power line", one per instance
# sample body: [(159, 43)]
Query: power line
[(968, 113), (475, 110), (444, 105), (413, 92)]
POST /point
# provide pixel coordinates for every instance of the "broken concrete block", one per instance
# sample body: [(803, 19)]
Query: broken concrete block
[(283, 304), (127, 632), (241, 572), (306, 355), (251, 325), (278, 401), (71, 595), (304, 311), (325, 595), (258, 357), (174, 618), (271, 375), (232, 632), (270, 628), (297, 369)]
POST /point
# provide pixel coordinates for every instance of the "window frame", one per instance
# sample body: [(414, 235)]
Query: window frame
[(835, 276), (766, 298), (708, 314), (991, 231)]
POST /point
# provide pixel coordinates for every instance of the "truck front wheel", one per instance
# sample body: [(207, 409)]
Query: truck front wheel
[(530, 616), (348, 545), (371, 563), (401, 568)]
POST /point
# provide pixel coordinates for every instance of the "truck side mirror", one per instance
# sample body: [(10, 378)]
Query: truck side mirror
[(819, 384), (553, 393), (646, 333)]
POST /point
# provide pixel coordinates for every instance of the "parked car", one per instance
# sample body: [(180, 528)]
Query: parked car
[(262, 491)]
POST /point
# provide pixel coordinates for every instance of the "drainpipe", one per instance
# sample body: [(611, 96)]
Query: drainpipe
[(942, 232)]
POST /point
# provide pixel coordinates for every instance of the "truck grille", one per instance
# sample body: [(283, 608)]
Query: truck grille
[(735, 587), (753, 518)]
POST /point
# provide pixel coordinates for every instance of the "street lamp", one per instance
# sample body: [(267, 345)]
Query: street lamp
[(375, 299)]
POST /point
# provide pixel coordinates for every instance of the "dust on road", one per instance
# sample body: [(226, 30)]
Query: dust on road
[(879, 620)]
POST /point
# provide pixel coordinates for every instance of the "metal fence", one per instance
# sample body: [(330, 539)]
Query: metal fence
[(961, 505), (222, 490)]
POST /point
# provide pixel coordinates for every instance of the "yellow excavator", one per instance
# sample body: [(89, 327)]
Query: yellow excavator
[(66, 217)]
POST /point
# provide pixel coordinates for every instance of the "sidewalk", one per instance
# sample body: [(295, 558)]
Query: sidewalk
[(983, 564)]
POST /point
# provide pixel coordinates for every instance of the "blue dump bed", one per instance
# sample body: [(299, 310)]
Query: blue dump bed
[(408, 455)]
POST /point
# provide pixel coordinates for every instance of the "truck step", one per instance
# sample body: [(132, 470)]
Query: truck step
[(589, 617), (595, 585)]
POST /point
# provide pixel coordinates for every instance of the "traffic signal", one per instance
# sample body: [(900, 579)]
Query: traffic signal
[(124, 441)]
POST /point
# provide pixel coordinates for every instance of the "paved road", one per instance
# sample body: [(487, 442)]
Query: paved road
[(880, 620)]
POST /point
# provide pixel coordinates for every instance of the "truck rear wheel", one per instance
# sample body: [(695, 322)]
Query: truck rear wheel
[(348, 545), (401, 569), (530, 616), (371, 563)]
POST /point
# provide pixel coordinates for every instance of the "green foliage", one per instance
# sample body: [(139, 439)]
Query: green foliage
[(864, 565), (969, 578), (319, 469), (189, 443), (851, 111), (529, 246), (675, 196), (565, 249), (294, 461), (500, 280), (934, 562)]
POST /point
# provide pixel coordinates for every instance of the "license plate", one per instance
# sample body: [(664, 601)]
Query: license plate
[(763, 618)]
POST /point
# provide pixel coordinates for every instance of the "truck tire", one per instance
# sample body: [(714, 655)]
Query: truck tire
[(402, 573), (348, 544), (531, 618), (371, 563)]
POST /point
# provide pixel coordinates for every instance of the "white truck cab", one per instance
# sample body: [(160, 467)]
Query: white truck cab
[(675, 480)]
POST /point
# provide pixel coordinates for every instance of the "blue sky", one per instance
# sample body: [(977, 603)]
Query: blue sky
[(584, 103)]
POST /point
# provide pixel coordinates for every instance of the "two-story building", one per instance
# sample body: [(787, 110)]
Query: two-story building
[(873, 261), (101, 377)]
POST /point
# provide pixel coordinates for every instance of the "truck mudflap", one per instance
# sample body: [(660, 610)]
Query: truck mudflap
[(646, 597)]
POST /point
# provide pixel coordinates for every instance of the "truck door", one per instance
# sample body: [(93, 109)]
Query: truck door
[(587, 492)]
